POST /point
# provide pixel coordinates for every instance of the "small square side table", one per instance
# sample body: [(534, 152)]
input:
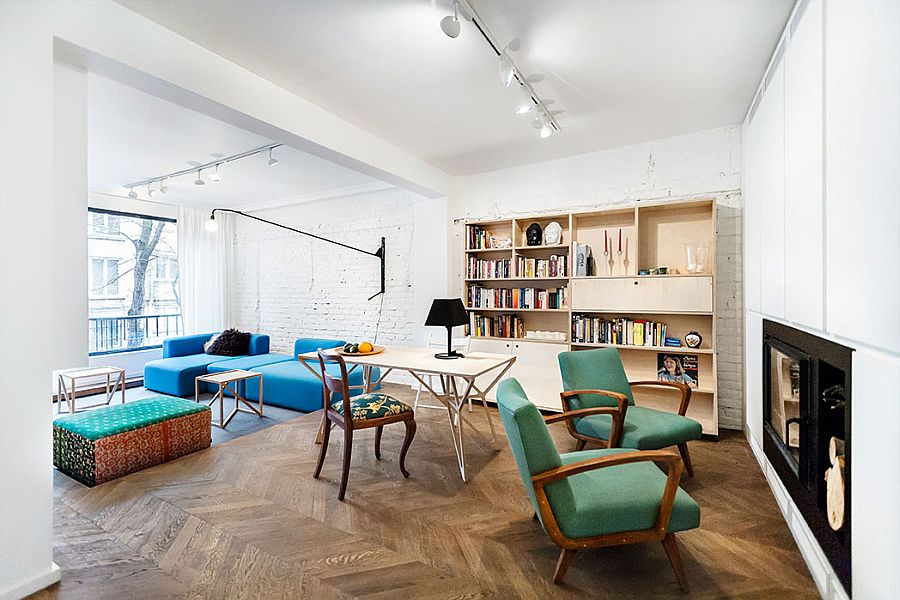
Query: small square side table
[(224, 380), (66, 380)]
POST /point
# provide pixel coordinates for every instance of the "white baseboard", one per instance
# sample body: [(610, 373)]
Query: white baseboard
[(35, 584), (826, 579)]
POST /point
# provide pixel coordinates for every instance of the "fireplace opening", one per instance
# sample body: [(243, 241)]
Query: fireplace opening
[(806, 432)]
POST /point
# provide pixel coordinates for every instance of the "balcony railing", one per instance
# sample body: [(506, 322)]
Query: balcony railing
[(127, 334)]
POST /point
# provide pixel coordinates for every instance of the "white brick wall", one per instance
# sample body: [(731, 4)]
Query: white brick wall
[(699, 165)]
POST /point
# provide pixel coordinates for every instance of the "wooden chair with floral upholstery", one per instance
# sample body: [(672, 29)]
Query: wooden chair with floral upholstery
[(365, 411)]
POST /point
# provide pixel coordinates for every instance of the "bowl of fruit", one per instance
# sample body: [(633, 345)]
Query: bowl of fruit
[(360, 349)]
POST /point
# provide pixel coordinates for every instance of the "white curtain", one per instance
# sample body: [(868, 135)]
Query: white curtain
[(204, 270)]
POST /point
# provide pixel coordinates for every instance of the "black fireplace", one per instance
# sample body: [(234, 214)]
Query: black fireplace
[(806, 432)]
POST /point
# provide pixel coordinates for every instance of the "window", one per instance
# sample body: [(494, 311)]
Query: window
[(133, 281)]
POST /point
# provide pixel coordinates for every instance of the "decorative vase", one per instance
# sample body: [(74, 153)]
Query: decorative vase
[(533, 235), (692, 339), (553, 234)]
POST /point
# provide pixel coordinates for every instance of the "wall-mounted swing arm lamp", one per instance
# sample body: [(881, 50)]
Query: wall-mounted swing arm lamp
[(212, 226)]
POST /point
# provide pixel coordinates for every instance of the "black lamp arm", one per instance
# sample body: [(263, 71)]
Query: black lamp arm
[(379, 254)]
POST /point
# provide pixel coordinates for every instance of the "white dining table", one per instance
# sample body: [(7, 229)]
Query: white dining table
[(457, 381)]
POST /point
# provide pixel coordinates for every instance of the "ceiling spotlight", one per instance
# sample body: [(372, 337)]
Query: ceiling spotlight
[(525, 102), (131, 193), (164, 189), (215, 174), (272, 160), (546, 129), (199, 180), (507, 71), (450, 25), (211, 225), (150, 192)]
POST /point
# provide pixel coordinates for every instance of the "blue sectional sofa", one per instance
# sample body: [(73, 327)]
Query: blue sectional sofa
[(286, 382)]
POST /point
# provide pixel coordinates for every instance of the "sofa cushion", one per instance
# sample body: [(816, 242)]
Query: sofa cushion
[(230, 342), (291, 385), (621, 498), (175, 376), (185, 345), (247, 362), (304, 345), (645, 428), (372, 406)]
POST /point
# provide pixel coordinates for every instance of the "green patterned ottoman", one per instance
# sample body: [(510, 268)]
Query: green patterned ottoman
[(109, 442)]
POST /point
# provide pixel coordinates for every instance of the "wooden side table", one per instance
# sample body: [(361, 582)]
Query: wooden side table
[(66, 380), (224, 380)]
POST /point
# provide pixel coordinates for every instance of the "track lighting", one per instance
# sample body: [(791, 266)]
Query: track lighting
[(163, 188), (272, 160), (546, 129), (199, 180), (215, 175), (131, 193), (150, 192), (525, 102), (211, 225), (450, 25), (507, 71)]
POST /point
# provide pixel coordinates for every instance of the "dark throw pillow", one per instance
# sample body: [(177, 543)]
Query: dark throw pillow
[(230, 342)]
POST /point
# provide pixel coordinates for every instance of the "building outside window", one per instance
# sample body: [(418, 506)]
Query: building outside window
[(133, 301)]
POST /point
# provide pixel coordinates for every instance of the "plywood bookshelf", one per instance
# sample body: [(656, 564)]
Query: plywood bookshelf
[(653, 235)]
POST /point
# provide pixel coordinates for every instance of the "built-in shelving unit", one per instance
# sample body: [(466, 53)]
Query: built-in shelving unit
[(652, 236)]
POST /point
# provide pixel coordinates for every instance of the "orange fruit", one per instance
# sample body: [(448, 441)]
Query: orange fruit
[(366, 347)]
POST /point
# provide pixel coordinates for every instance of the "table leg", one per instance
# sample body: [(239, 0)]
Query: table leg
[(122, 383), (260, 378), (72, 400), (222, 405), (108, 395), (196, 391)]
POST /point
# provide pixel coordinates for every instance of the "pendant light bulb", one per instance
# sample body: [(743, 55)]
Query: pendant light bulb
[(450, 25), (211, 225), (131, 193), (525, 102), (215, 175), (507, 71), (199, 180), (272, 160)]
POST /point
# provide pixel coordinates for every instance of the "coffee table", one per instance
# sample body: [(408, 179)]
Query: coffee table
[(224, 380), (66, 380)]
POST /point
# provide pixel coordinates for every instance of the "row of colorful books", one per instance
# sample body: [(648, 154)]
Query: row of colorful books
[(532, 298), (505, 326), (480, 268), (554, 266), (479, 238), (591, 329)]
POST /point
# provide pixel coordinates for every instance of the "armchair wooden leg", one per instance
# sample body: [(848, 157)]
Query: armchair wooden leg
[(686, 458), (345, 472), (562, 565), (410, 434), (378, 431), (326, 432), (579, 445), (671, 547)]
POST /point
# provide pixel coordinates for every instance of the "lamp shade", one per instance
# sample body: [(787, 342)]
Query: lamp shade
[(447, 312)]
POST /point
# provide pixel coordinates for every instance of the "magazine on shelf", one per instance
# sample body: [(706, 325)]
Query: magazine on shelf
[(680, 368)]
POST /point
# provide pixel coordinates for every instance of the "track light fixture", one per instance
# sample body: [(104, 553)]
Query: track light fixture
[(508, 70), (198, 170), (450, 25)]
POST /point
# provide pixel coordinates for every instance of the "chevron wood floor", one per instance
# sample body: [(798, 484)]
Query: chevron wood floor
[(245, 519)]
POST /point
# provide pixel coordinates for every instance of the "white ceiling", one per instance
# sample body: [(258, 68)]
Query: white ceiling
[(620, 71), (134, 136)]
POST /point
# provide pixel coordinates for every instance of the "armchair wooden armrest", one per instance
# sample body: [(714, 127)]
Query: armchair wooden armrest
[(582, 412), (670, 458), (685, 391), (618, 417)]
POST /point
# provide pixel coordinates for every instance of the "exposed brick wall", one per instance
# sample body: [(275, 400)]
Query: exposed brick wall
[(700, 165), (289, 286)]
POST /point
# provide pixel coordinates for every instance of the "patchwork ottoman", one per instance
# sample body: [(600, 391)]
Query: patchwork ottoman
[(99, 445)]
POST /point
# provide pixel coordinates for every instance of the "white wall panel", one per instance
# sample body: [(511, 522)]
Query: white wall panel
[(751, 177), (772, 192), (803, 177), (753, 370)]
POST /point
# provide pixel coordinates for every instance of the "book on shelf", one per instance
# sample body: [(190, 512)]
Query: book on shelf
[(482, 268), (680, 368), (501, 326), (584, 259), (592, 329), (554, 266), (481, 239), (524, 297)]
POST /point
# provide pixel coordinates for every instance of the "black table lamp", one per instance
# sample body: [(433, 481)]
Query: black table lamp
[(447, 312)]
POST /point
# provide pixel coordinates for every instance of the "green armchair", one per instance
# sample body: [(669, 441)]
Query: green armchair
[(596, 378), (595, 498)]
